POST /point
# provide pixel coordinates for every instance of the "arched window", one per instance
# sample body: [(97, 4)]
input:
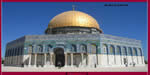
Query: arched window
[(17, 51), (112, 49), (40, 48), (104, 48), (134, 52), (139, 52), (10, 52), (118, 50), (22, 49), (129, 51), (93, 48), (49, 48), (83, 48), (13, 51), (124, 51), (73, 48), (6, 53), (30, 48)]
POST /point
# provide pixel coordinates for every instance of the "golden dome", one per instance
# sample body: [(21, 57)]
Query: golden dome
[(73, 18)]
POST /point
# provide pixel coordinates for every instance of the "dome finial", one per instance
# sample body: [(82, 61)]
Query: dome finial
[(73, 7)]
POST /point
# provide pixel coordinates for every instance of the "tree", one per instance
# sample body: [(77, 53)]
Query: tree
[(2, 60), (145, 61)]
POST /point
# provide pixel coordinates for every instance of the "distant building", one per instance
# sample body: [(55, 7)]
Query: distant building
[(74, 39)]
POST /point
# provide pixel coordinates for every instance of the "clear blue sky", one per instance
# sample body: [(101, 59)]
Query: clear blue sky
[(19, 19)]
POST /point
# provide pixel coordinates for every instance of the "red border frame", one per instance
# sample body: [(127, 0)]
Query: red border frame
[(74, 0), (75, 73)]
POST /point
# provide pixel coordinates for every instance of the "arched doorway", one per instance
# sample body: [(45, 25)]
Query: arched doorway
[(59, 57)]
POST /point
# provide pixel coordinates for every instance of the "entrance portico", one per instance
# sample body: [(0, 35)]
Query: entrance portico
[(59, 57)]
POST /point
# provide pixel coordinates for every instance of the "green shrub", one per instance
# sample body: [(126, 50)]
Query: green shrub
[(145, 61)]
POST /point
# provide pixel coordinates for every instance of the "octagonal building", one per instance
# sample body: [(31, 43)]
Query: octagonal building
[(74, 39)]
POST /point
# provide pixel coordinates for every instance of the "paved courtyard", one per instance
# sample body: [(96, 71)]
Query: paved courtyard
[(71, 69)]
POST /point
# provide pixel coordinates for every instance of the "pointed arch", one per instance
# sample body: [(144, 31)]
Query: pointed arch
[(139, 51), (49, 48), (134, 51), (40, 48), (129, 51), (124, 51), (83, 48), (112, 49), (93, 48), (105, 48), (30, 49), (73, 48), (118, 51)]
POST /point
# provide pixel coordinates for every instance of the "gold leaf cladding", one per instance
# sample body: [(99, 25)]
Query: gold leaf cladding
[(73, 18)]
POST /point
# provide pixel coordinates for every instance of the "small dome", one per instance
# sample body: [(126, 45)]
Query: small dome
[(73, 19)]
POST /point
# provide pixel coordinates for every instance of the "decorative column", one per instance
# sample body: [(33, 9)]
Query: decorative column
[(35, 59), (65, 59), (82, 59), (16, 60), (122, 55), (43, 49), (137, 51), (29, 60), (78, 48), (127, 56), (71, 59), (108, 54), (19, 56), (132, 54), (88, 48), (9, 57), (35, 55), (143, 62), (137, 56), (9, 60), (115, 54), (34, 49), (6, 61), (87, 60), (13, 58), (44, 59), (51, 58), (142, 56)]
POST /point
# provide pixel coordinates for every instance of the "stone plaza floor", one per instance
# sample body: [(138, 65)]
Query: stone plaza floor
[(72, 69)]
